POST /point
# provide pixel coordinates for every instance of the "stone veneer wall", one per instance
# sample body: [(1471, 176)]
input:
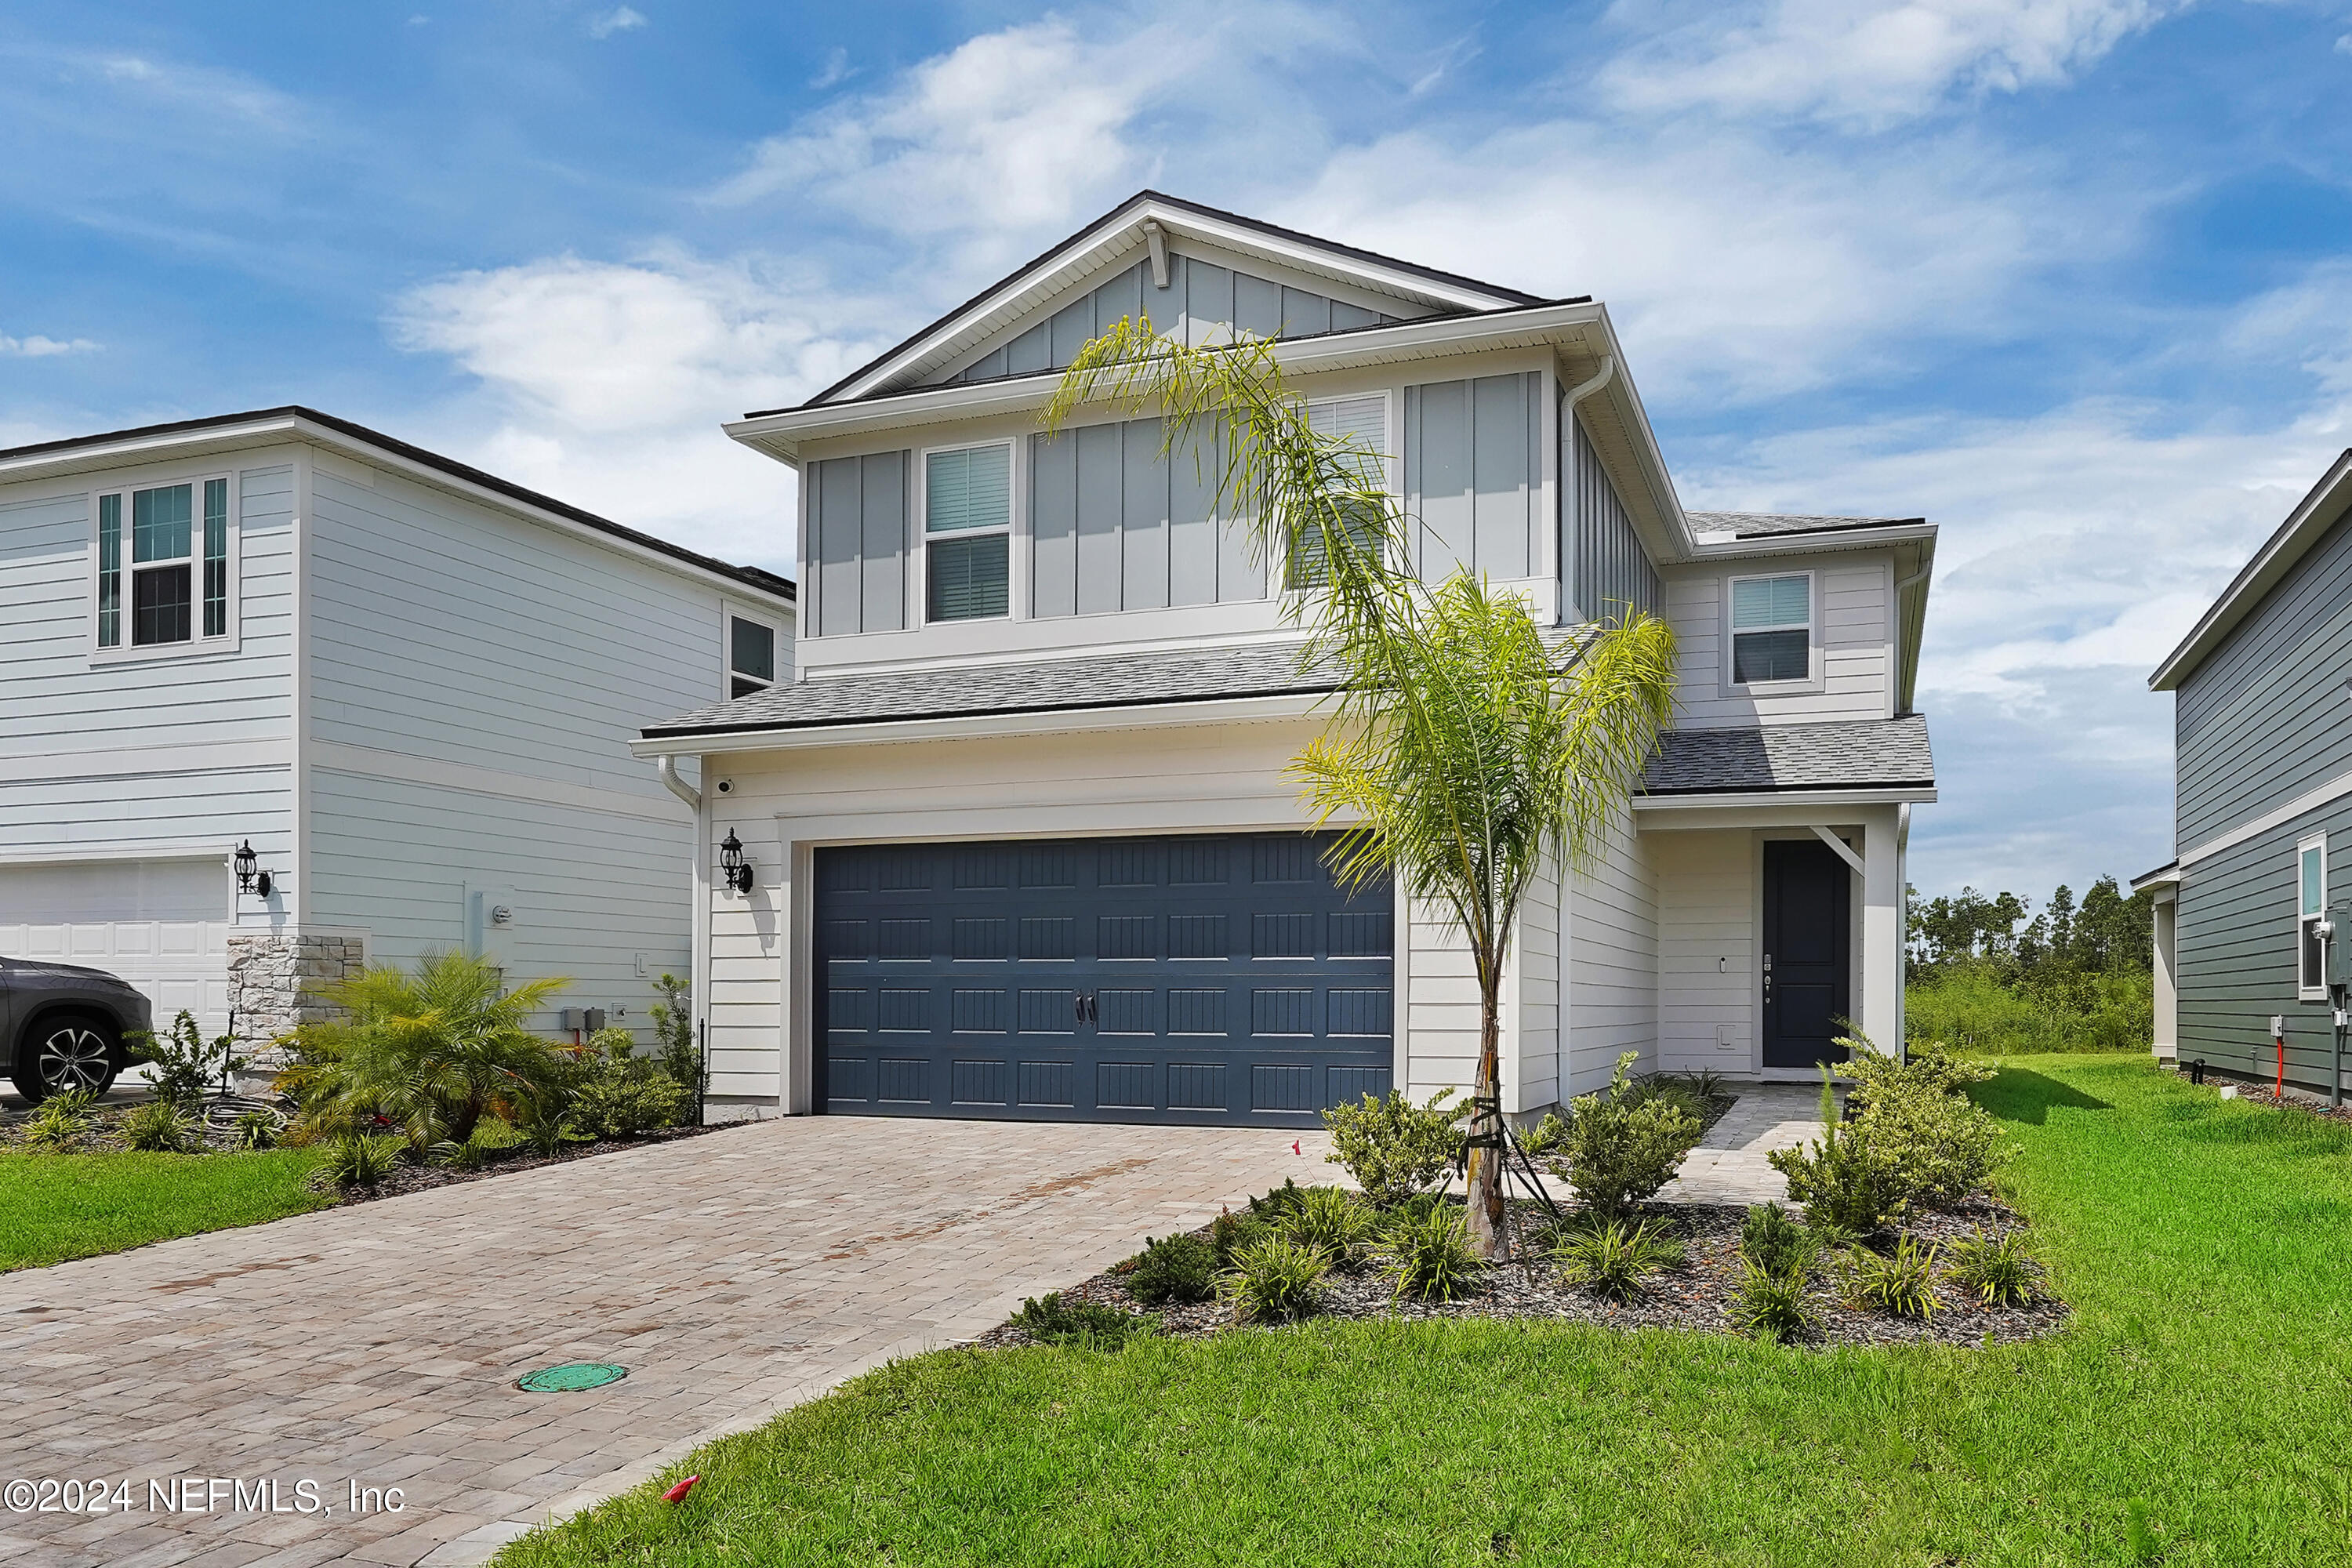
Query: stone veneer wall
[(274, 979)]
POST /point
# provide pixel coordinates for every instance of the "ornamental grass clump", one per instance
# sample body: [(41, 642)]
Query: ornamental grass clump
[(1181, 1267), (62, 1120), (361, 1159), (1274, 1280), (1901, 1281), (1622, 1145), (1771, 1240), (2000, 1272), (1612, 1260), (1774, 1306), (1432, 1255), (1332, 1221), (1393, 1148), (159, 1127)]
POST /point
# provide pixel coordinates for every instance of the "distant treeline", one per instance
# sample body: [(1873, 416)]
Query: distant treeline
[(1992, 973)]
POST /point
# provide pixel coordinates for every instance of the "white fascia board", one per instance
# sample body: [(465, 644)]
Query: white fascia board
[(2311, 517), (225, 439), (1713, 807), (1821, 543), (1626, 402), (1123, 231), (2164, 881), (708, 743), (782, 434)]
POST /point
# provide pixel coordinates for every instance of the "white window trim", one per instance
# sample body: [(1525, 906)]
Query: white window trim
[(198, 644), (1815, 672), (2309, 841), (920, 526), (730, 612), (1392, 465)]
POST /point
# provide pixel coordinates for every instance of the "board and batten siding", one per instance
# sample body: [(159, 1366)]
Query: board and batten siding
[(475, 681), (2266, 717), (1474, 475), (1854, 644), (178, 752), (1603, 568), (1114, 525)]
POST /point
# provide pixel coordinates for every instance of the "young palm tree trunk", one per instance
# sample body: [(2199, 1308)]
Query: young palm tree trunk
[(1485, 1167)]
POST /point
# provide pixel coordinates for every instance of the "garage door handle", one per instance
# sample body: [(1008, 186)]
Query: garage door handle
[(1083, 1007)]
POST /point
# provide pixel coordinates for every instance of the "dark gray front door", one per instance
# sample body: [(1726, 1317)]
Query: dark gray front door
[(1214, 979), (1808, 929)]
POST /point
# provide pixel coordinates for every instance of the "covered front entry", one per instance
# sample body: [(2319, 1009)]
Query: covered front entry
[(1808, 938), (1198, 979)]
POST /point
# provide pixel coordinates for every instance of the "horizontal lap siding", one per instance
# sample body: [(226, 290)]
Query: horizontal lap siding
[(1531, 1068), (1855, 631), (2266, 717), (1706, 953), (1614, 961), (61, 716), (2235, 950)]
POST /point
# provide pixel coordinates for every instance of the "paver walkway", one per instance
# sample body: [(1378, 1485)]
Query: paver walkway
[(1729, 1165), (733, 1275)]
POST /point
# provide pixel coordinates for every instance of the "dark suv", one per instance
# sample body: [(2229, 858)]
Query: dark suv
[(63, 1025)]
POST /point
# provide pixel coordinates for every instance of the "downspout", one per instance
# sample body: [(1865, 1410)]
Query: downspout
[(668, 768), (1585, 389)]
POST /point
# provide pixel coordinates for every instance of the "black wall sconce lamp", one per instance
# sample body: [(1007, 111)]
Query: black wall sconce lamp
[(250, 878), (733, 869)]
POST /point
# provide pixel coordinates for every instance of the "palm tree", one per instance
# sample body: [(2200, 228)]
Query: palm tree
[(1470, 750)]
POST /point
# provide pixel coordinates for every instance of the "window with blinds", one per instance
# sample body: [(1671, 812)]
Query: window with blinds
[(169, 583), (967, 532), (1361, 425), (1771, 629)]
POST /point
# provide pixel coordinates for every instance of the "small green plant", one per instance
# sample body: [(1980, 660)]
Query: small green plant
[(1394, 1148), (1432, 1255), (1771, 1240), (1231, 1232), (1773, 1305), (62, 1120), (257, 1129), (1274, 1280), (1842, 1178), (1611, 1259), (674, 1046), (363, 1160), (1545, 1137), (1182, 1268), (1901, 1281), (1054, 1319), (1999, 1270), (185, 1065), (159, 1127), (1622, 1145), (1706, 1083), (1279, 1203), (1333, 1221)]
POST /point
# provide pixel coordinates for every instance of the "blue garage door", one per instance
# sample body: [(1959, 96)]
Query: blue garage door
[(1221, 979)]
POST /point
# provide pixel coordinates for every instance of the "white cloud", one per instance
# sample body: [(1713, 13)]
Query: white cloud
[(837, 70), (39, 347), (1866, 62), (620, 19)]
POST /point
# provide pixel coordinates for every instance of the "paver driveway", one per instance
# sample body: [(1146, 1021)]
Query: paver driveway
[(732, 1274)]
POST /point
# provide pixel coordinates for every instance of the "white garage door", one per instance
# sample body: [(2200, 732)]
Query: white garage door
[(162, 925)]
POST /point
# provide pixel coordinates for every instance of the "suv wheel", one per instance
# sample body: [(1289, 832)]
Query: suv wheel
[(66, 1051)]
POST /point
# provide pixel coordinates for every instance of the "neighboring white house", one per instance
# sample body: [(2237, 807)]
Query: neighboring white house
[(1018, 834), (408, 685)]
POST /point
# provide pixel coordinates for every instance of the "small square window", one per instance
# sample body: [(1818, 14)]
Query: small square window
[(1771, 629)]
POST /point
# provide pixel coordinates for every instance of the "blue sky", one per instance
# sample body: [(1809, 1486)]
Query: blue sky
[(2074, 278)]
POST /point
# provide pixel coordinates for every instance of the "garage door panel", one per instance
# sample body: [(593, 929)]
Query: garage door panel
[(1198, 978), (162, 925)]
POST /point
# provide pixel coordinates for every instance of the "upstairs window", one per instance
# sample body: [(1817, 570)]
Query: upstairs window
[(750, 657), (1771, 629), (2311, 877), (1362, 423), (967, 532), (169, 584)]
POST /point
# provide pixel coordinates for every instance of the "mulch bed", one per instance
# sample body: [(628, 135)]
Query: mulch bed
[(1699, 1295), (2264, 1094)]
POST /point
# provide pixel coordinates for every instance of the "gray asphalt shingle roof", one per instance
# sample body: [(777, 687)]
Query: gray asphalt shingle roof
[(1853, 753), (1762, 524)]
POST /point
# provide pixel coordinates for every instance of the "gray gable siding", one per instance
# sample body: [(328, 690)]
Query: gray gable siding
[(1201, 300), (1473, 474), (857, 529), (1603, 565), (2267, 717), (1117, 526)]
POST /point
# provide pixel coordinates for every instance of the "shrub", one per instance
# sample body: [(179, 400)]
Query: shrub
[(1706, 1083), (1773, 1305), (2000, 1272), (1771, 1241), (430, 1050), (257, 1129), (1919, 1121), (187, 1065), (1229, 1233), (1057, 1321), (1173, 1269), (675, 1049), (1623, 1146), (1394, 1148), (1432, 1255), (1274, 1280), (1842, 1178), (1331, 1220), (1612, 1258), (1975, 1007), (62, 1120), (159, 1127), (1901, 1281), (1279, 1203), (361, 1159), (1545, 1137), (615, 1093)]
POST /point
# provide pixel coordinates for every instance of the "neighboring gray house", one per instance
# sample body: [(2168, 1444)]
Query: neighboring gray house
[(1020, 838), (408, 685), (2262, 802)]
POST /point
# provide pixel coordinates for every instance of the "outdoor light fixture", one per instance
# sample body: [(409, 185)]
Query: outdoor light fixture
[(733, 869), (250, 878)]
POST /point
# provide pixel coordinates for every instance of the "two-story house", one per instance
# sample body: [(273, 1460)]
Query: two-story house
[(407, 685), (1017, 839), (2263, 794)]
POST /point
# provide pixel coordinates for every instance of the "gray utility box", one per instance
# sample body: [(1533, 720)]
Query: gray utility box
[(2339, 949)]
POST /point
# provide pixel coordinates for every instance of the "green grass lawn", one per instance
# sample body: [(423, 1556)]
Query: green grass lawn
[(2198, 1410), (56, 1206)]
